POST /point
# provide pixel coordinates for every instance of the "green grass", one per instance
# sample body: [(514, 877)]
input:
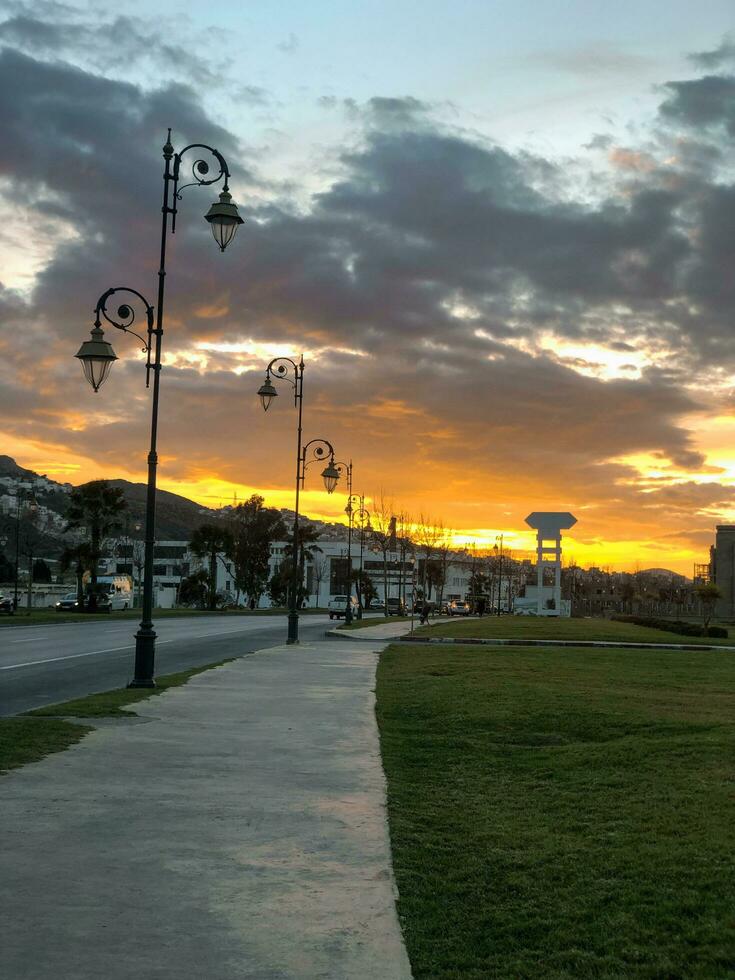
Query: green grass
[(361, 624), (561, 813), (546, 628), (38, 733), (48, 617)]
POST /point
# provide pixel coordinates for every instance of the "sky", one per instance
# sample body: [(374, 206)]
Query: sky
[(501, 234)]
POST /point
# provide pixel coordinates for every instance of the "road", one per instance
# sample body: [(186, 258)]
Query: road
[(42, 665)]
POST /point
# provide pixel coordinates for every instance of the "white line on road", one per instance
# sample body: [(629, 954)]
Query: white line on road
[(75, 656), (31, 639)]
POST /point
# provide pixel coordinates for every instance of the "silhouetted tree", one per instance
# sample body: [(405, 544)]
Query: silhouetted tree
[(95, 507), (208, 541)]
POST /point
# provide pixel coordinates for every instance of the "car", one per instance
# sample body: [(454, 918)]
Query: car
[(377, 605), (458, 607), (337, 606), (7, 605), (67, 603), (395, 607)]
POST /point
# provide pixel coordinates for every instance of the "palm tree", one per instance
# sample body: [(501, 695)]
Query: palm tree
[(208, 541), (308, 548), (78, 557), (95, 507)]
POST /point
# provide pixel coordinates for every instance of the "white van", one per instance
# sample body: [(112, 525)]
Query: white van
[(118, 588)]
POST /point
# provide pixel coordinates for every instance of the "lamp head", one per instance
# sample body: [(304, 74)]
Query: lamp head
[(97, 357), (223, 219), (267, 392), (330, 475)]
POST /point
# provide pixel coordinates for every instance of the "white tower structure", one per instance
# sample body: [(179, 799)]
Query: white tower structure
[(548, 526)]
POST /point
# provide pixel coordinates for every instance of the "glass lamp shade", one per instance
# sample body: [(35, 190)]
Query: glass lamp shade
[(97, 357), (330, 476), (266, 393), (223, 220)]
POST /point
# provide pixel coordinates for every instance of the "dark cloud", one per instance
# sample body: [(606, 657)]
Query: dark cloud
[(722, 55), (437, 259)]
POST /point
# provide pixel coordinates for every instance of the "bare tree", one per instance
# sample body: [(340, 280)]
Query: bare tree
[(427, 537), (383, 534), (319, 567), (443, 550)]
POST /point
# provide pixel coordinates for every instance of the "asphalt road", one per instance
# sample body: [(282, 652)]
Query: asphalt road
[(42, 665)]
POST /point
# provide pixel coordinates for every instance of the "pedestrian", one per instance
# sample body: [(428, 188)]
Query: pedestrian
[(425, 610), (481, 606)]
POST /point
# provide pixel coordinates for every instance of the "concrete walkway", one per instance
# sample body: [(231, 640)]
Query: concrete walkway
[(237, 829)]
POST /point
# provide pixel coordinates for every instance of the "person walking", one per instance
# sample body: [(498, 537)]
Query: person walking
[(425, 610)]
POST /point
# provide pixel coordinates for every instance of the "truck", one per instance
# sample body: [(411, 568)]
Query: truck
[(337, 606)]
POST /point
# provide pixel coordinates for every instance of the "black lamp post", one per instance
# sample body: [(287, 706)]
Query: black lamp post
[(281, 369), (97, 355), (347, 468), (500, 567), (364, 518)]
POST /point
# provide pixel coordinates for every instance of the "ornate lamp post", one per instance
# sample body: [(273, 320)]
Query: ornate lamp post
[(330, 474), (364, 517), (97, 355), (500, 566), (347, 468), (284, 369)]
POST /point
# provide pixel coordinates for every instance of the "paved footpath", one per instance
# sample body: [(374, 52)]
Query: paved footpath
[(236, 829)]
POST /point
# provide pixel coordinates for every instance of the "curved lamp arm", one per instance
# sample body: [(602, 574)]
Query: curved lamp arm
[(96, 354), (319, 450), (280, 369)]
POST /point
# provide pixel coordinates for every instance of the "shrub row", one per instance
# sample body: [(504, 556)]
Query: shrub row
[(674, 626)]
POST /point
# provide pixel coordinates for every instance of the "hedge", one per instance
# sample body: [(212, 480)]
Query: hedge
[(674, 626)]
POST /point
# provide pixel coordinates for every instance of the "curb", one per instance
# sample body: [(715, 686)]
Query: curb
[(559, 643), (354, 636)]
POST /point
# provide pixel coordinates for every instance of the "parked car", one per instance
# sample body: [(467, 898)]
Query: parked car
[(458, 607), (377, 605), (6, 605), (395, 607), (337, 606), (67, 603)]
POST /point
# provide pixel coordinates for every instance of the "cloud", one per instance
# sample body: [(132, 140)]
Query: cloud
[(437, 286), (600, 58)]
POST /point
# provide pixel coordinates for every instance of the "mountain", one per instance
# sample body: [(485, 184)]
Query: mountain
[(176, 516)]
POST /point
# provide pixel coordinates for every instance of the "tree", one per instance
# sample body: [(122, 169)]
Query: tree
[(427, 538), (320, 566), (365, 586), (194, 590), (708, 594), (41, 571), (383, 534), (209, 541), (79, 558), (253, 529), (95, 507), (6, 568), (279, 586), (308, 548)]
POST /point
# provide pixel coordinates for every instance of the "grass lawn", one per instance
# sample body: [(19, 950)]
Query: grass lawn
[(29, 737), (47, 617), (546, 628), (561, 813)]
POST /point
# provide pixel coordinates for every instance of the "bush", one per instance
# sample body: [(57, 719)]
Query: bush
[(674, 626)]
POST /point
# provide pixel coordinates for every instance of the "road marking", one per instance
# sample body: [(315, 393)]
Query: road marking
[(75, 656), (31, 639)]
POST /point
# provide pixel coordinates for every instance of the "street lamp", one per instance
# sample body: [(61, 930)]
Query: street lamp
[(97, 356), (364, 518), (292, 372), (347, 468), (330, 474), (499, 538)]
